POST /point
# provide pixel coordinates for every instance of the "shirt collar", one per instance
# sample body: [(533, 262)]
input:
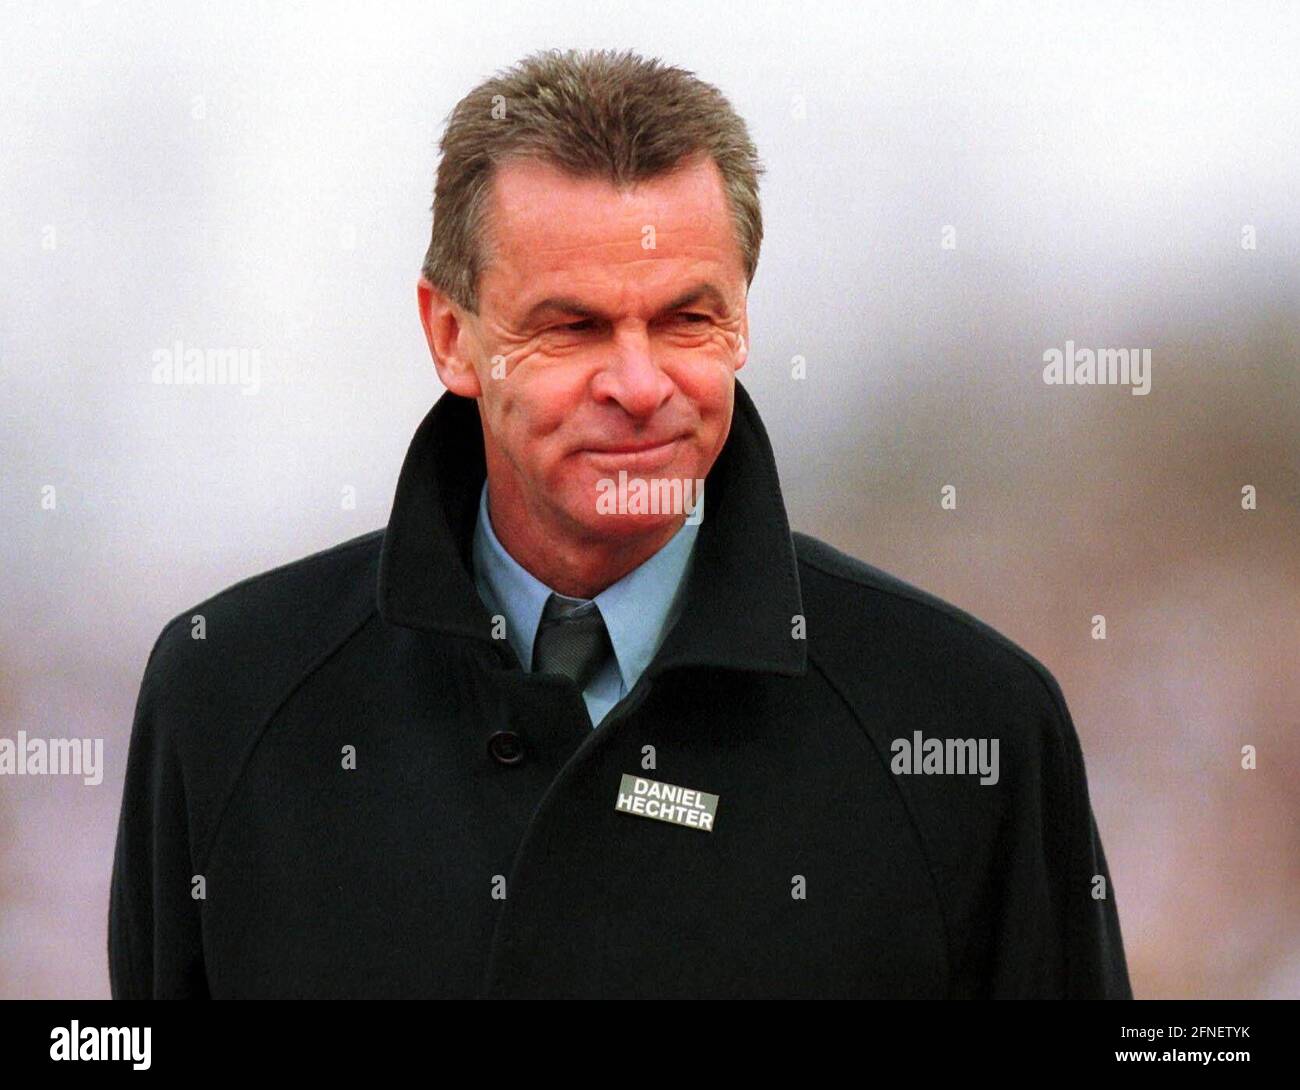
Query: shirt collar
[(742, 589), (638, 609), (506, 587), (641, 607)]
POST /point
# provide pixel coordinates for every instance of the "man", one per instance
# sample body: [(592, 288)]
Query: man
[(568, 726)]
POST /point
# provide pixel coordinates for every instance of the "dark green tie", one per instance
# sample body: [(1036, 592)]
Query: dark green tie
[(571, 639)]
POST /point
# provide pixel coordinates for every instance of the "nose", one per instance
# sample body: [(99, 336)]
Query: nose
[(631, 377)]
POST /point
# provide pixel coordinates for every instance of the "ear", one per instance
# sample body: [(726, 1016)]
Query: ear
[(449, 341), (742, 348)]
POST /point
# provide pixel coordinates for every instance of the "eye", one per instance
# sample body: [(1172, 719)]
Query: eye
[(575, 327), (693, 319)]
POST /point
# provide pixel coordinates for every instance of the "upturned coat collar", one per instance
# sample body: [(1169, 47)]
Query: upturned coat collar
[(743, 591)]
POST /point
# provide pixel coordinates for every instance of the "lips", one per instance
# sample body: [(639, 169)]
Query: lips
[(636, 456), (633, 448)]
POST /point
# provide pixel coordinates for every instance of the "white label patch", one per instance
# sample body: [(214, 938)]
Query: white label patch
[(667, 802)]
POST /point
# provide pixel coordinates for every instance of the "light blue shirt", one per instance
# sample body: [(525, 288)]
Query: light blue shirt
[(639, 610)]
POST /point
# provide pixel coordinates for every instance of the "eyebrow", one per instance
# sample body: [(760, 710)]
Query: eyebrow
[(703, 291)]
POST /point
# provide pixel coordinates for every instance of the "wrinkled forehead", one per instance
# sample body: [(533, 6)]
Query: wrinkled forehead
[(543, 221)]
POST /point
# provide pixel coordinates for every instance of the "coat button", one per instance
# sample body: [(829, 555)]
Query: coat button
[(506, 747)]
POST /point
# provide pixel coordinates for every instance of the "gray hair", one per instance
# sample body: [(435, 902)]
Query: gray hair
[(597, 113)]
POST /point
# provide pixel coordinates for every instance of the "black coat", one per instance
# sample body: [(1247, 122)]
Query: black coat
[(475, 848)]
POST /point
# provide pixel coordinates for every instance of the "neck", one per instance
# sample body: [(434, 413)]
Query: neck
[(580, 566)]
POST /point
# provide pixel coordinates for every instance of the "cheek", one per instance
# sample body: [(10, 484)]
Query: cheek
[(530, 409), (715, 403), (707, 383)]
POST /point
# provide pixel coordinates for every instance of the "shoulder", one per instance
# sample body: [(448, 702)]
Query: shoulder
[(220, 670), (297, 603), (221, 667), (858, 612)]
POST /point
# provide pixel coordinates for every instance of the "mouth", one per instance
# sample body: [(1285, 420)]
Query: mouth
[(632, 448), (639, 455)]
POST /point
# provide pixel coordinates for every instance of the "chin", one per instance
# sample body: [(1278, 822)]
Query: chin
[(609, 514), (636, 525)]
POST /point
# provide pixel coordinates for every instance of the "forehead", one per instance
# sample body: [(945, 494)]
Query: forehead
[(548, 227)]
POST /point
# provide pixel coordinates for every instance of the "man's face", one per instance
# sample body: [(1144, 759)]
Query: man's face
[(609, 332)]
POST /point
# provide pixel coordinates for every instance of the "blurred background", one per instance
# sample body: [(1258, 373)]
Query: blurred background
[(952, 190)]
